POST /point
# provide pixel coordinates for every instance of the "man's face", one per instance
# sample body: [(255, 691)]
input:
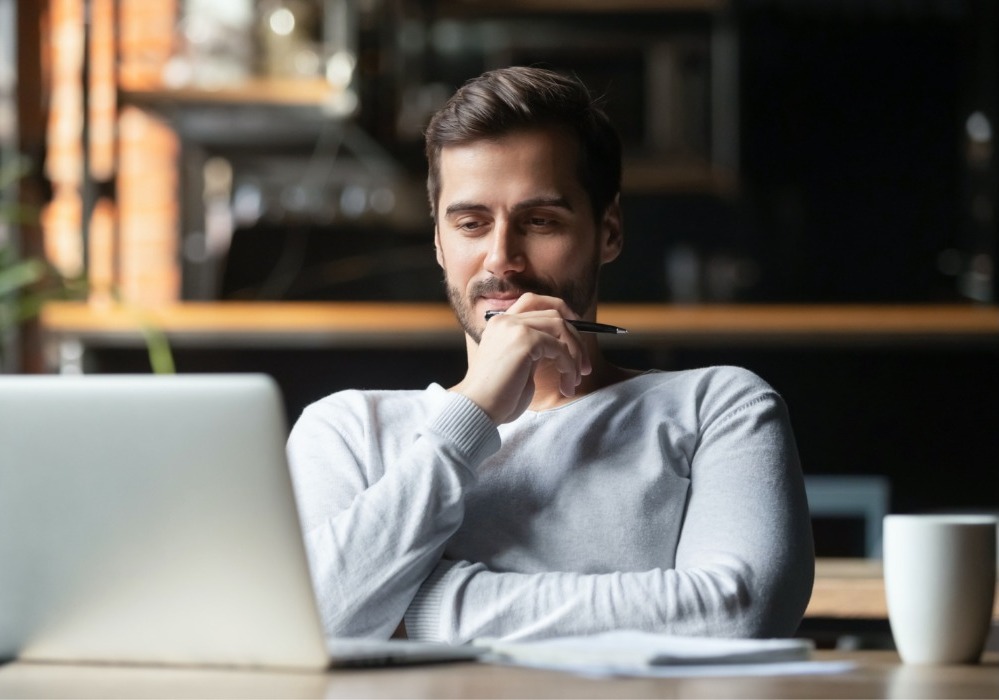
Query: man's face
[(514, 218)]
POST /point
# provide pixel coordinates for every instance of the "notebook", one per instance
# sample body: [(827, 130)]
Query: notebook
[(151, 520)]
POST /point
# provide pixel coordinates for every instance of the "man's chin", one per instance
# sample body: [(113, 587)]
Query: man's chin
[(471, 325)]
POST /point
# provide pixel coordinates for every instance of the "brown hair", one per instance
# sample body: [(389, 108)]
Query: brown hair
[(505, 100)]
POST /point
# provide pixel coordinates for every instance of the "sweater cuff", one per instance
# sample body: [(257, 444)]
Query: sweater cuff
[(423, 617), (468, 428)]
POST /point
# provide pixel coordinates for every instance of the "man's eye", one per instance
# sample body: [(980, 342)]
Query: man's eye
[(541, 222), (470, 226)]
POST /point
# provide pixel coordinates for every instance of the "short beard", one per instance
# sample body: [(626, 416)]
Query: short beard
[(578, 296)]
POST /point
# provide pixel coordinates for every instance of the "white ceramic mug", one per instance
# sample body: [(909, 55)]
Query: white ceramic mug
[(940, 582)]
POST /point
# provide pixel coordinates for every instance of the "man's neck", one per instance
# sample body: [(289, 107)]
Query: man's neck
[(547, 394)]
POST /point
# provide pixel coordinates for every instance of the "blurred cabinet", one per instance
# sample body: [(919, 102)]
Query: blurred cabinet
[(868, 165), (262, 98), (665, 70), (300, 170), (667, 74), (310, 187)]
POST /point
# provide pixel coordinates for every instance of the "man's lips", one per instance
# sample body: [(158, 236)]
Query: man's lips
[(501, 294), (507, 296), (500, 302)]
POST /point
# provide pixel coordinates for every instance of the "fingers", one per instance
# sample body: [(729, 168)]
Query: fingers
[(565, 360), (538, 302), (544, 337), (530, 341), (551, 322)]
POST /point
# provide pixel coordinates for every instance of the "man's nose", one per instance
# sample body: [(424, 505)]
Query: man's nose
[(505, 254)]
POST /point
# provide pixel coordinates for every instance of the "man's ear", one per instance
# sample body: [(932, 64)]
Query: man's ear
[(611, 232), (437, 245)]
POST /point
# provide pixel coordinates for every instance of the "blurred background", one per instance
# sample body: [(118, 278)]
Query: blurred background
[(805, 152)]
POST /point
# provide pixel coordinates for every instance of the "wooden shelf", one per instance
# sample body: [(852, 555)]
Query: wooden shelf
[(319, 324), (288, 92), (378, 324), (805, 323)]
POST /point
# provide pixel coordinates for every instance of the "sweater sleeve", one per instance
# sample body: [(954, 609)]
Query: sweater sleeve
[(372, 538), (744, 562)]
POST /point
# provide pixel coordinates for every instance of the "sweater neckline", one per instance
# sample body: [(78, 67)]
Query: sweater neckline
[(593, 394)]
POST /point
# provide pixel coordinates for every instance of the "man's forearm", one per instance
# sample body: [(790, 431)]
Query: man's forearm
[(467, 601), (370, 550)]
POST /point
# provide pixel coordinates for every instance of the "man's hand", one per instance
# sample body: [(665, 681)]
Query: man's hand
[(531, 335)]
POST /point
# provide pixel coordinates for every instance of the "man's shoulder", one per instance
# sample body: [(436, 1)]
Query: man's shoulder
[(364, 406), (726, 380), (707, 393), (380, 399)]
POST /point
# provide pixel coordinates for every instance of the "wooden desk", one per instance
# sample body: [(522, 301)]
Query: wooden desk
[(877, 675), (853, 589), (848, 589), (844, 589)]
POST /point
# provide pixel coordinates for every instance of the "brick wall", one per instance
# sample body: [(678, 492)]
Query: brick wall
[(134, 226)]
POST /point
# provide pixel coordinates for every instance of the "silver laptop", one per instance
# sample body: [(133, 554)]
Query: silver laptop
[(151, 519)]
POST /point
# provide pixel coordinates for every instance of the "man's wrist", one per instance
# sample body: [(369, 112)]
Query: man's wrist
[(464, 424), (480, 401)]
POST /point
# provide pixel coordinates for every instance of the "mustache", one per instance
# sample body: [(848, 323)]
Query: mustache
[(517, 284)]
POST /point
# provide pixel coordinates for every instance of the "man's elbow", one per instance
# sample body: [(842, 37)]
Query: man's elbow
[(780, 605), (759, 606)]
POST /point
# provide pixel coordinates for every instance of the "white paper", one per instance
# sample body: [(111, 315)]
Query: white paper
[(790, 668), (639, 649)]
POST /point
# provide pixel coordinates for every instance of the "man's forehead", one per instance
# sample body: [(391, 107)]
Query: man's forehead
[(521, 166), (547, 139)]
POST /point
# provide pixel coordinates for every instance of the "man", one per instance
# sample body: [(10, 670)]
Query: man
[(548, 492)]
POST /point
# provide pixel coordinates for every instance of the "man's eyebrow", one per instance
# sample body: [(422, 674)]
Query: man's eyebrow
[(464, 206), (560, 202)]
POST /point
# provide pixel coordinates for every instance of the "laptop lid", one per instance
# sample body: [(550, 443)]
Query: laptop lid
[(151, 519)]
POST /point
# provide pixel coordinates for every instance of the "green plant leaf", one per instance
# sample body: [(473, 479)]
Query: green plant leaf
[(18, 214), (13, 170), (20, 275)]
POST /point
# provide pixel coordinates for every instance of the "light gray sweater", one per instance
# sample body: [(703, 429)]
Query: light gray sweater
[(671, 502)]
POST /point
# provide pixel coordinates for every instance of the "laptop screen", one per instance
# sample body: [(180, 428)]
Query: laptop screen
[(151, 519)]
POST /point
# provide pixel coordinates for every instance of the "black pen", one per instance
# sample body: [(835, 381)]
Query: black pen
[(581, 326)]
